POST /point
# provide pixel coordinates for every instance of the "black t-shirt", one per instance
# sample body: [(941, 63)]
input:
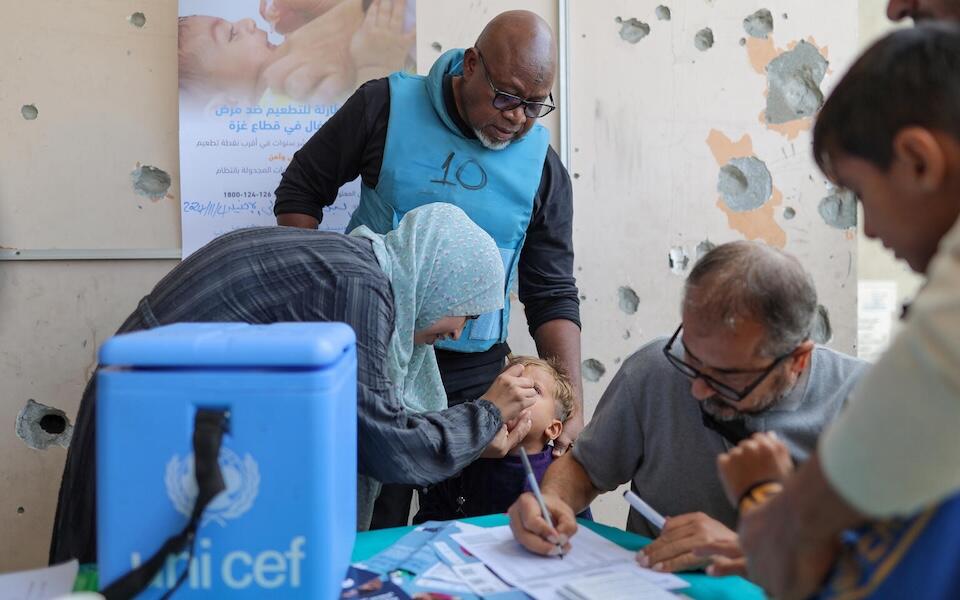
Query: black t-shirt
[(351, 144)]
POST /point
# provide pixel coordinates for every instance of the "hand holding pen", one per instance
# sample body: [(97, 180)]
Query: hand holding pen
[(543, 524)]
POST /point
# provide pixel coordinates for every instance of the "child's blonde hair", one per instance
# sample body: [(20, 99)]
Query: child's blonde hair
[(563, 393)]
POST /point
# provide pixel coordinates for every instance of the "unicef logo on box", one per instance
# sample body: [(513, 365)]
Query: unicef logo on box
[(241, 477), (237, 569)]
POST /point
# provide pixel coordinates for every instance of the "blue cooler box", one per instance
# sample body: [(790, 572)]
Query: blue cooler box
[(285, 525)]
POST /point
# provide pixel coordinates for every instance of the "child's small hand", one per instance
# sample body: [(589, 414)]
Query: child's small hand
[(381, 41), (762, 457)]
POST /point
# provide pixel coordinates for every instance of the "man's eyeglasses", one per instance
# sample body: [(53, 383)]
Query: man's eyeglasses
[(722, 389), (503, 101)]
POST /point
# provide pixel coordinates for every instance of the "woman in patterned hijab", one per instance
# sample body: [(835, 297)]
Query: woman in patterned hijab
[(443, 269)]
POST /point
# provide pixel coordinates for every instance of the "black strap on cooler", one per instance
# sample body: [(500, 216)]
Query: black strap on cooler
[(208, 429)]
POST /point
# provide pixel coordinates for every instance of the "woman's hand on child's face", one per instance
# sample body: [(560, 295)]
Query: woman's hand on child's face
[(380, 41), (509, 437), (512, 393), (762, 457)]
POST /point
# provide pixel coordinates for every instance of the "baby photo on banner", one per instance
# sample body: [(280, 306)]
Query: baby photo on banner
[(257, 79)]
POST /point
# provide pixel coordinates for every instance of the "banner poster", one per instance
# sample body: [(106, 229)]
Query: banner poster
[(257, 79)]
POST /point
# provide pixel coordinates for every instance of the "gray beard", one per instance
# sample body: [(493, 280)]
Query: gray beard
[(488, 143), (722, 411)]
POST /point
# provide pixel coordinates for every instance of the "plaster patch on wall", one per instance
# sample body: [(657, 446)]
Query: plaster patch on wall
[(761, 53), (593, 369), (704, 247), (663, 13), (629, 301), (29, 112), (43, 426), (758, 224), (137, 19), (839, 210), (793, 80), (632, 30), (759, 24), (704, 39), (745, 184), (724, 149), (678, 260), (150, 181), (822, 331)]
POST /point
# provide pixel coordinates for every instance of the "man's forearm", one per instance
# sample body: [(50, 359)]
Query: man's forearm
[(297, 220), (567, 480), (560, 339)]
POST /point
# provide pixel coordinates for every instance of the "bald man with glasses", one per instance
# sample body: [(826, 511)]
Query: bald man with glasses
[(468, 133), (742, 361)]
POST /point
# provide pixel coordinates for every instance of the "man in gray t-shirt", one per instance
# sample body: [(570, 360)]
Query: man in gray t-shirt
[(741, 362)]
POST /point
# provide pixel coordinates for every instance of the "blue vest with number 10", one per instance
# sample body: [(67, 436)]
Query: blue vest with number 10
[(428, 159)]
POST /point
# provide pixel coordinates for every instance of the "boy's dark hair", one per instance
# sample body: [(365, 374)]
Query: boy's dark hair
[(911, 77)]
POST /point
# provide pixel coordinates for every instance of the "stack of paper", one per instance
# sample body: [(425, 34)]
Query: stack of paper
[(543, 578)]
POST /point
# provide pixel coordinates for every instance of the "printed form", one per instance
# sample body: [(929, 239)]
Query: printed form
[(543, 578)]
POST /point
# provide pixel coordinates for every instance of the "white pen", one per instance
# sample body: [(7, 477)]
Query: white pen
[(655, 518), (532, 482)]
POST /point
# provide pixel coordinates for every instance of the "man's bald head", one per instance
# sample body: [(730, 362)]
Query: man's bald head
[(515, 55), (522, 40)]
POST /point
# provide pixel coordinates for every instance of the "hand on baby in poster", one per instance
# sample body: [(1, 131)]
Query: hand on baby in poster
[(288, 15), (381, 41), (325, 57)]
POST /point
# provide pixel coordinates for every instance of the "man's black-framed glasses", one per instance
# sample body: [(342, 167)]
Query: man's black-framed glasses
[(722, 389), (503, 101)]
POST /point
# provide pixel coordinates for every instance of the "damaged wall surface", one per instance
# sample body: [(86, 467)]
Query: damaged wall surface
[(684, 140)]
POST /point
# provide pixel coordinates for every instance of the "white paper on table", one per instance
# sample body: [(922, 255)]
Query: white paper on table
[(442, 572), (542, 576), (439, 585), (480, 579), (469, 527), (446, 553), (613, 583), (40, 584)]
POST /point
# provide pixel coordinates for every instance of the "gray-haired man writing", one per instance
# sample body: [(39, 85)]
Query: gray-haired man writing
[(742, 361)]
